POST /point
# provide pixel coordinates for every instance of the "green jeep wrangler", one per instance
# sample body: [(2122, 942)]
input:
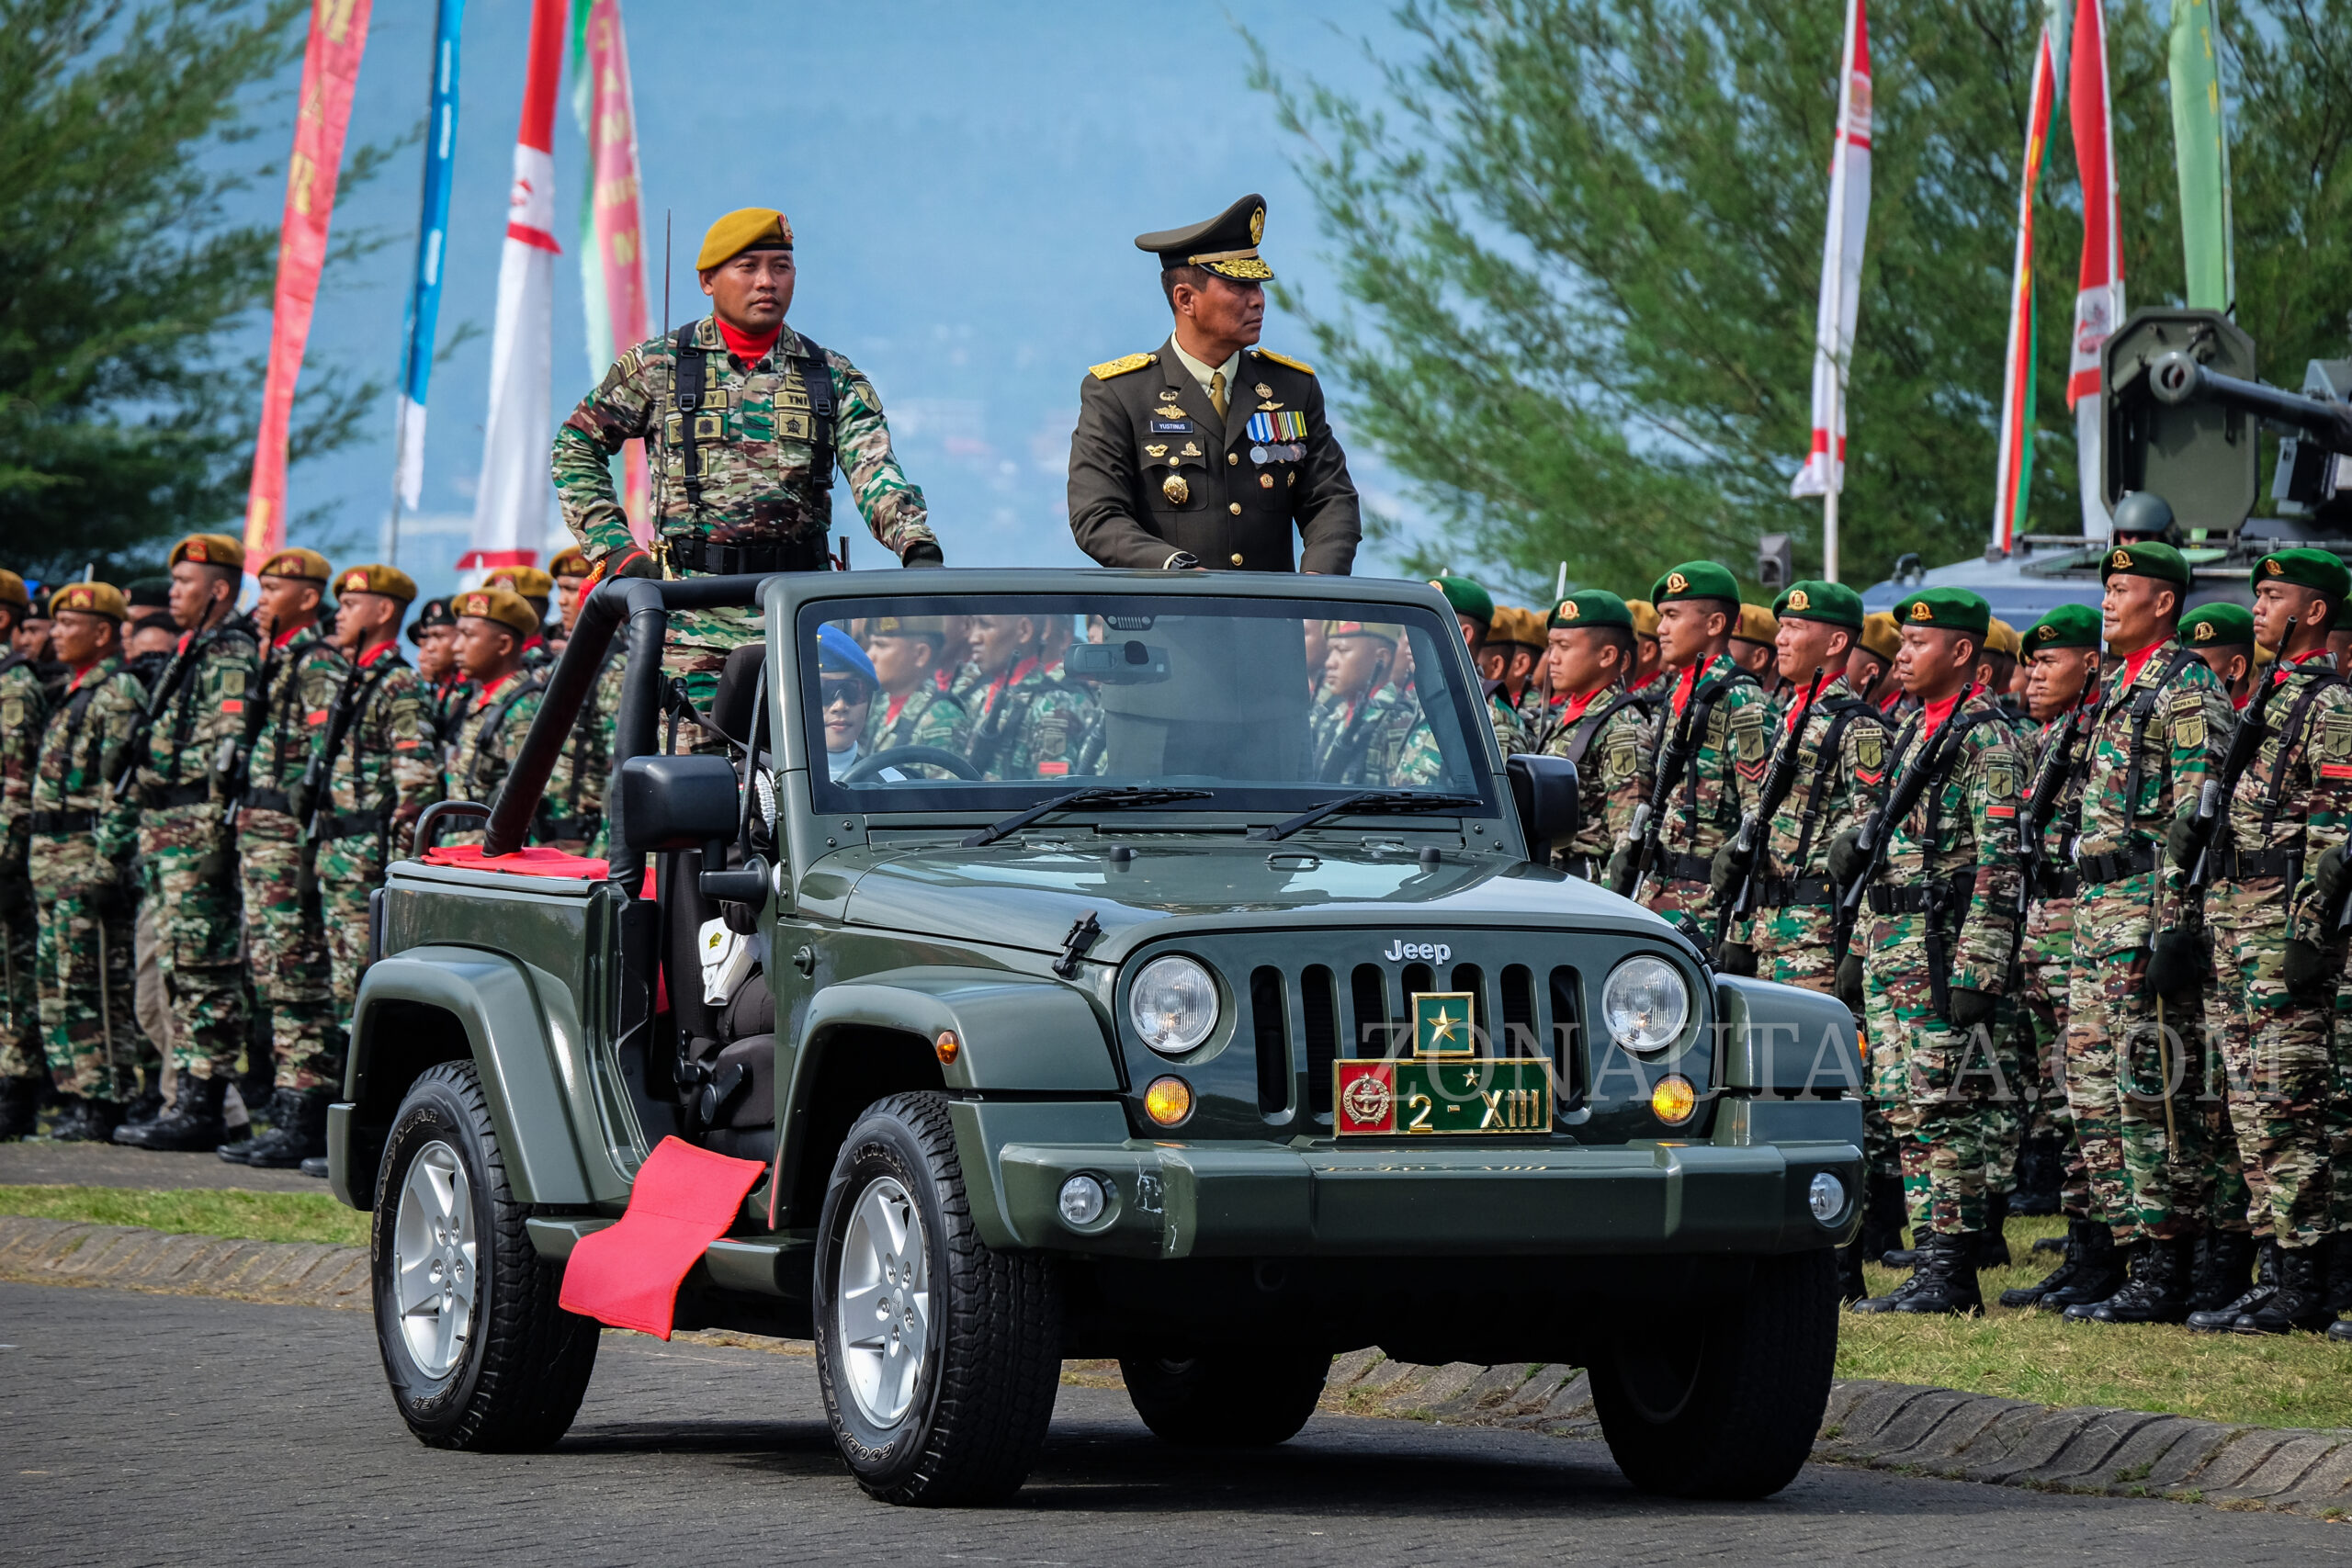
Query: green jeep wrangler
[(1195, 990)]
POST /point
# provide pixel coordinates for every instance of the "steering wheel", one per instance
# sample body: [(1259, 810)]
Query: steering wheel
[(900, 756)]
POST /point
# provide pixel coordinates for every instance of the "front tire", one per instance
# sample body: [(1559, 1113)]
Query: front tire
[(1726, 1403), (939, 1357), (1226, 1398), (478, 1353)]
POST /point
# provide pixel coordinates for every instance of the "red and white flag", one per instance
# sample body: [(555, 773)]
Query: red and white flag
[(2098, 297), (2016, 461), (511, 507), (1841, 261)]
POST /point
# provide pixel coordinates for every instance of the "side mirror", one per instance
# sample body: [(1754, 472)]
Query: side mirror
[(1543, 791), (677, 803)]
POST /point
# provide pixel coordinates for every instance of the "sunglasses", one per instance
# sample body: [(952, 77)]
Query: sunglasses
[(848, 689)]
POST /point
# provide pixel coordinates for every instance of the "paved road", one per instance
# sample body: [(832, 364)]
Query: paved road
[(271, 1441), (42, 1163)]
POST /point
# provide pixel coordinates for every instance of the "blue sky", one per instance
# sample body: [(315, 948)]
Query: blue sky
[(964, 181)]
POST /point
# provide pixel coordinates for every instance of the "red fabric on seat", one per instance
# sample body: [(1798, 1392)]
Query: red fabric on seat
[(628, 1275), (536, 860)]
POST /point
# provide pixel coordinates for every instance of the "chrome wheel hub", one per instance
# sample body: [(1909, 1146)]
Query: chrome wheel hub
[(882, 1310), (433, 1276)]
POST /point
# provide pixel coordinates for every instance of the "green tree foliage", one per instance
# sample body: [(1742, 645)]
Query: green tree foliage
[(1580, 242), (126, 415)]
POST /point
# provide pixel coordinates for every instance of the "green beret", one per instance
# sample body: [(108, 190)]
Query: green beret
[(1946, 609), (2068, 626), (1833, 603), (1696, 580), (2218, 626), (1590, 608), (1469, 601), (2151, 559), (2323, 569)]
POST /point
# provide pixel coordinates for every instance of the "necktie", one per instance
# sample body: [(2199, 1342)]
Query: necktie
[(1218, 399)]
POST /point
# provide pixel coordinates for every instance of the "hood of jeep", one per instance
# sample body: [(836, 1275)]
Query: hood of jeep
[(1029, 894)]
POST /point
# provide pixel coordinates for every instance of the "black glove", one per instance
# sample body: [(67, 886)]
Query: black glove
[(1620, 875), (2175, 962), (2180, 841), (1725, 870), (922, 552), (1970, 1008), (1849, 981), (1845, 857), (1736, 958), (2328, 872), (635, 562), (2307, 967)]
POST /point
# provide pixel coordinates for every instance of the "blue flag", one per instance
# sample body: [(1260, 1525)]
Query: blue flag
[(432, 251)]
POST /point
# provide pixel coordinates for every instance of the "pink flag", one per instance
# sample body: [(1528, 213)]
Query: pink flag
[(1842, 265), (2016, 461), (616, 220), (511, 507), (2098, 297), (330, 73)]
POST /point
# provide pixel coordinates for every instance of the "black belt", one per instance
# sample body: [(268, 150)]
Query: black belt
[(1683, 868), (351, 825), (2050, 883), (63, 822), (1914, 899), (2099, 869), (269, 800), (170, 798), (2240, 866), (1794, 892), (686, 553)]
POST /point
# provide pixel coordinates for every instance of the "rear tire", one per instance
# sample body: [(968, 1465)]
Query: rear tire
[(1725, 1403), (939, 1359), (1226, 1398), (478, 1353)]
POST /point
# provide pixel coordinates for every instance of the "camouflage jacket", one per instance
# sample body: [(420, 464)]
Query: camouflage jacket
[(1966, 825), (924, 716), (1029, 725), (2295, 800), (388, 761), (572, 807), (756, 485), (2050, 917), (1609, 741), (218, 673), (82, 753), (489, 735), (1834, 791), (1513, 722), (24, 715), (1357, 742), (2187, 716), (1702, 806), (299, 687)]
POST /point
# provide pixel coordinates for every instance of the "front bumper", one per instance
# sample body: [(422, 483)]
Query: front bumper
[(1743, 1192)]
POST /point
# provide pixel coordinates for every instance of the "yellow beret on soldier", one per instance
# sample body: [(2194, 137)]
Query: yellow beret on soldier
[(503, 605), (306, 566), (569, 562), (91, 599), (1384, 630), (1756, 625), (388, 580), (2002, 637), (910, 626), (209, 549), (527, 580), (1881, 635), (1645, 616), (745, 229), (12, 590)]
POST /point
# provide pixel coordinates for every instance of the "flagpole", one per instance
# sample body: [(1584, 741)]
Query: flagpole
[(1835, 478)]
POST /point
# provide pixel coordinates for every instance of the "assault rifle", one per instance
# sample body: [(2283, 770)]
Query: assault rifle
[(1934, 761), (1649, 817), (314, 795), (1747, 854), (134, 754), (2049, 789), (2213, 801)]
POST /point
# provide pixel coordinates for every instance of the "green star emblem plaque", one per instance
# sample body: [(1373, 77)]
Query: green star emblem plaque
[(1445, 1023)]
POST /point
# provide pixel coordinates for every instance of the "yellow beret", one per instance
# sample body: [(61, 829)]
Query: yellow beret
[(743, 230), (2002, 637), (1381, 629), (209, 549), (1645, 616), (1756, 625), (1514, 624), (910, 626), (1881, 634), (527, 580), (12, 590), (500, 604), (388, 580), (91, 599), (569, 562), (304, 566)]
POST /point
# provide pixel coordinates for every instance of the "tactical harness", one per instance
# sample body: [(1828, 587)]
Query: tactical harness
[(367, 820), (1677, 867), (697, 417), (2233, 864), (2138, 855), (1802, 891), (77, 713), (1935, 897), (490, 723)]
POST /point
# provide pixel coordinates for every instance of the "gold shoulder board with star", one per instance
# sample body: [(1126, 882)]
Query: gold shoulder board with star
[(1120, 366), (1286, 359)]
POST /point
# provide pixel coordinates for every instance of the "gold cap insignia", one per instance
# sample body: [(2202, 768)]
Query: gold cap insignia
[(2119, 559), (2204, 631), (1800, 599), (354, 583), (1257, 225), (2046, 633), (1676, 582), (1923, 611), (2274, 569), (1568, 610)]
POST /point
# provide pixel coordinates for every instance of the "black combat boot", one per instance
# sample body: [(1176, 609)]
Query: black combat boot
[(145, 1109), (2298, 1303), (1850, 1286), (2097, 1267), (193, 1122), (19, 1103), (317, 1166), (2124, 1262), (2058, 1278), (2218, 1274), (297, 1130), (2041, 1172), (1946, 1276), (2223, 1318), (2339, 1273), (1993, 1242), (1890, 1302), (2156, 1292), (89, 1122), (1882, 1216)]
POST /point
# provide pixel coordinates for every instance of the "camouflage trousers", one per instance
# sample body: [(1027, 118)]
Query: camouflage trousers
[(286, 939), (1935, 1083), (2134, 1070), (1792, 946), (21, 1054), (2040, 1046), (83, 962), (192, 875), (2338, 1115), (1690, 905), (349, 869), (695, 648), (2279, 1061)]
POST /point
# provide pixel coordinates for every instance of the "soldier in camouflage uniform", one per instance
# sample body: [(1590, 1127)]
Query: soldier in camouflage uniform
[(491, 626), (447, 693), (1715, 707), (24, 715), (1515, 702), (2134, 1042), (912, 710), (1603, 728), (535, 588), (572, 806), (1943, 928), (742, 479), (286, 941), (1474, 611), (80, 842), (1027, 722), (1362, 713), (2222, 636), (195, 724)]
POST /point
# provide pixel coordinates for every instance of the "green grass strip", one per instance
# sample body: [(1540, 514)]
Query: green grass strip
[(248, 1216)]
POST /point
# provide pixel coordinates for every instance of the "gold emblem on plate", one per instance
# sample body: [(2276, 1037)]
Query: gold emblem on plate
[(1368, 1099), (1445, 1023)]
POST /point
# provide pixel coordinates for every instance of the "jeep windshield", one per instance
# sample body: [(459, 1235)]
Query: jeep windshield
[(996, 702)]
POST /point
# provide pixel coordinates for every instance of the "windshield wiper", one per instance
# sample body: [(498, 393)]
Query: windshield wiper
[(1115, 796), (1367, 801)]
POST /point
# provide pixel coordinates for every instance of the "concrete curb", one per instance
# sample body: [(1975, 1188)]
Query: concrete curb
[(1884, 1426)]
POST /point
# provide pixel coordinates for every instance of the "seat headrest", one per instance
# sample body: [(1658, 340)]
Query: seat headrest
[(732, 705)]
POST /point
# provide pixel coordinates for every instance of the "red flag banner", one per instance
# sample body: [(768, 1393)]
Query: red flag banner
[(2017, 380), (330, 74), (618, 216), (2099, 298)]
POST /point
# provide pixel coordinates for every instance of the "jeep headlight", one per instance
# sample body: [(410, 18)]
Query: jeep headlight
[(1172, 1004), (1644, 1004)]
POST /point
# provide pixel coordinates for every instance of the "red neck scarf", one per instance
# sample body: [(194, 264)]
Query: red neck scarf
[(743, 345), (1572, 708), (1012, 677), (289, 635), (377, 652), (1939, 711), (1687, 684), (2134, 663), (1799, 705)]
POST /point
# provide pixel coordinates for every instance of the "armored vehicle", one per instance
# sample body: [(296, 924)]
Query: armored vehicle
[(1198, 993)]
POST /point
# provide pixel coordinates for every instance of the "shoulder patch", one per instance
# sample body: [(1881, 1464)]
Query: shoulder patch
[(1120, 366), (1286, 359)]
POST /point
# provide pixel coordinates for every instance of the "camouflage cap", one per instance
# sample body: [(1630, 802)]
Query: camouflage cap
[(2002, 637), (1696, 580), (1469, 601), (1881, 634), (2151, 559), (569, 562), (1756, 625), (932, 626), (1946, 609), (2219, 624), (1226, 245), (12, 590), (90, 599), (1381, 629), (745, 229), (2305, 568), (503, 605), (527, 580), (209, 549), (388, 580), (1645, 616), (1590, 608), (304, 566), (1832, 603), (435, 613), (2066, 626), (1513, 624)]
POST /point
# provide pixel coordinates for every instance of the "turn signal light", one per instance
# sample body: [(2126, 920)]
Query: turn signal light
[(948, 1047), (1168, 1100), (1673, 1099)]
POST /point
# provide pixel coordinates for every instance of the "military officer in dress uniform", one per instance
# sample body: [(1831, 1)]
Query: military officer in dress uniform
[(1209, 451)]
